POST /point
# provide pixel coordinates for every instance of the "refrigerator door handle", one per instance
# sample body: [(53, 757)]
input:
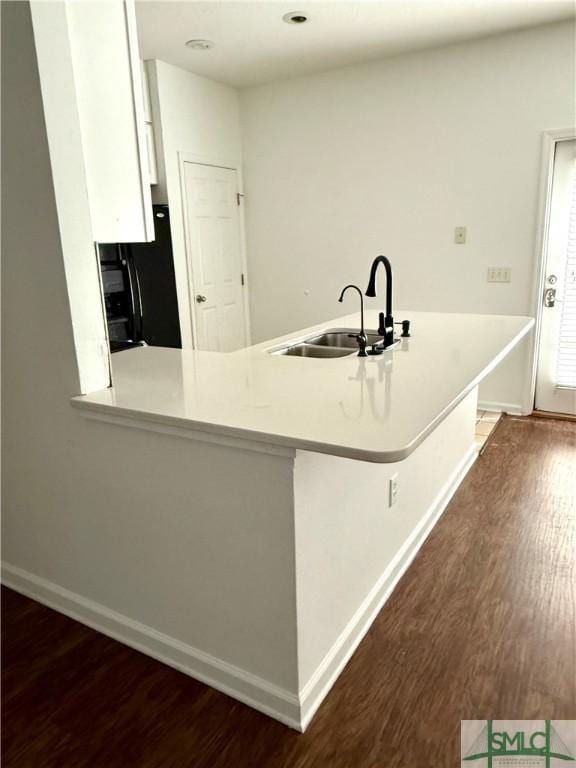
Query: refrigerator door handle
[(140, 305), (132, 288)]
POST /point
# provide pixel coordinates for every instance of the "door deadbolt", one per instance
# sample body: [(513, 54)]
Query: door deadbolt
[(549, 297), (552, 279)]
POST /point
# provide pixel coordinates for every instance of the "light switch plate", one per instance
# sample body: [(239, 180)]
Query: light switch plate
[(460, 235), (499, 275)]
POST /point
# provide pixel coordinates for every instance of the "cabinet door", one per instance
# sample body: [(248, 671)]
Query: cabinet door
[(110, 105)]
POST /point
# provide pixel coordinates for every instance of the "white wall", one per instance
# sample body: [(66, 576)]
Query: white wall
[(198, 116), (127, 519), (389, 157), (352, 547)]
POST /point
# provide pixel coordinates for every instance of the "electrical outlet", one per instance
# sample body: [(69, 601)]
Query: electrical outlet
[(393, 490), (460, 235), (499, 275)]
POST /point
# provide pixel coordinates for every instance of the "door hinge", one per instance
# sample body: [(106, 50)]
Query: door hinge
[(242, 278), (238, 196)]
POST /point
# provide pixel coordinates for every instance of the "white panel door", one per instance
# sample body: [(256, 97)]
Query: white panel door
[(214, 257), (556, 379)]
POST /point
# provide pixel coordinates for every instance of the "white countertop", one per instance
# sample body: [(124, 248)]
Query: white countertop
[(373, 409)]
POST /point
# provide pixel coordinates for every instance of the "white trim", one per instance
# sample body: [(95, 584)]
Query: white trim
[(221, 161), (279, 703), (232, 165), (327, 672), (188, 432), (549, 141), (514, 409), (244, 254)]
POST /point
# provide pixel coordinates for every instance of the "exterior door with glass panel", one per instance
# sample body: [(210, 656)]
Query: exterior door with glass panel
[(556, 378), (214, 256)]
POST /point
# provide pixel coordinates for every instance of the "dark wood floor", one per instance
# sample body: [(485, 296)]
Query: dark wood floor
[(483, 625)]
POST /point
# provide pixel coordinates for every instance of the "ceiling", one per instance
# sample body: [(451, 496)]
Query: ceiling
[(253, 45)]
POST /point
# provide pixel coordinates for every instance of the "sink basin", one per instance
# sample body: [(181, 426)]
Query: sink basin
[(312, 350), (340, 337), (334, 342)]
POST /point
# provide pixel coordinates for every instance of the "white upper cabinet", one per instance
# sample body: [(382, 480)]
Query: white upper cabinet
[(100, 36)]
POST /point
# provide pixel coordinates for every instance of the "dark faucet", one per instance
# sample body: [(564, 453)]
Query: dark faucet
[(386, 322), (361, 337)]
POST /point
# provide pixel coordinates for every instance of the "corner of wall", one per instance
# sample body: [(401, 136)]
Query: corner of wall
[(159, 193)]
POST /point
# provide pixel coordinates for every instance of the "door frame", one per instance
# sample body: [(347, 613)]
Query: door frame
[(229, 164), (548, 144)]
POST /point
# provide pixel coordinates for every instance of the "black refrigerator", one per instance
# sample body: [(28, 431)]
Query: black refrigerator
[(140, 289)]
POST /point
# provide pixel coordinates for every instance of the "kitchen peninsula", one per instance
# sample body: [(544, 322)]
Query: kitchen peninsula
[(302, 490)]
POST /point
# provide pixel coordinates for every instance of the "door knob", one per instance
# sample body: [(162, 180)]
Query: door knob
[(549, 297), (200, 299)]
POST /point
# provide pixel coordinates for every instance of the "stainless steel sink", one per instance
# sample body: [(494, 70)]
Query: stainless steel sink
[(341, 337), (334, 342), (312, 350)]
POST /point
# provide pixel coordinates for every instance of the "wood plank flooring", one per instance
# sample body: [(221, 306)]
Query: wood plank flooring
[(483, 625)]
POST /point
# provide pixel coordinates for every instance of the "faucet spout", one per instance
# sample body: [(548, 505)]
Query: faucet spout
[(371, 290), (386, 326), (361, 337)]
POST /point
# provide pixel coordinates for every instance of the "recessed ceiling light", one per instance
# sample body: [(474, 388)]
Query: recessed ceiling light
[(295, 17), (200, 45)]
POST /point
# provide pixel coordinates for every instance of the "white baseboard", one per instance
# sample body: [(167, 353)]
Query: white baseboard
[(281, 704), (319, 685), (276, 702), (514, 409)]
